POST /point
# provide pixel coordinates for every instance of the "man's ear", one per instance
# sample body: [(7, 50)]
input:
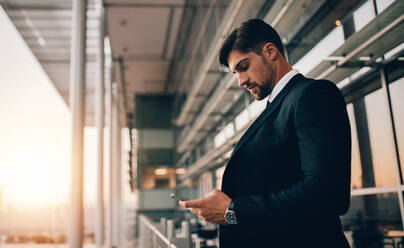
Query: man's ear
[(270, 51)]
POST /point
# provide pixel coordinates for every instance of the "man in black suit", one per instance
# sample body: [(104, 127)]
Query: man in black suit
[(288, 178)]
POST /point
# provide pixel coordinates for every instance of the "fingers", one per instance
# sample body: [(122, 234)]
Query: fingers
[(197, 203), (213, 218), (198, 212), (195, 211)]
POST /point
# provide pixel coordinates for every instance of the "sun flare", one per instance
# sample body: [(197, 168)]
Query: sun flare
[(35, 183)]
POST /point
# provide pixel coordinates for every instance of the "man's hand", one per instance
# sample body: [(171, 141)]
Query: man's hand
[(211, 207)]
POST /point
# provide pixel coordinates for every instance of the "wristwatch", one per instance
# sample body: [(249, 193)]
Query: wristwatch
[(230, 215)]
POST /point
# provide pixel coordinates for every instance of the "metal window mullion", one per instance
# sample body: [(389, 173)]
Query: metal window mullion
[(386, 91), (375, 9), (375, 190)]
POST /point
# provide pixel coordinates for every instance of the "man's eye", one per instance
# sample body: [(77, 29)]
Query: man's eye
[(244, 67)]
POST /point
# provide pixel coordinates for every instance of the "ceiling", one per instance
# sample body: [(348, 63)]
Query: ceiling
[(142, 36)]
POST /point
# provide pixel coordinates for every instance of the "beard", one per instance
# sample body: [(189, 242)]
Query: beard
[(266, 87), (261, 92)]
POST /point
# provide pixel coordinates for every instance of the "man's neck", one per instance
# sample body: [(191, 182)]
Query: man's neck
[(283, 69)]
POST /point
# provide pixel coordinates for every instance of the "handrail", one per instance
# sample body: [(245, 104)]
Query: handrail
[(151, 226)]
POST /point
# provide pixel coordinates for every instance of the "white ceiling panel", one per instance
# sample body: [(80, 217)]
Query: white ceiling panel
[(137, 30)]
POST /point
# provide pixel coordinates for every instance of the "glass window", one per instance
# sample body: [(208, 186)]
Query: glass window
[(242, 119), (256, 107), (363, 15), (381, 140), (205, 183), (229, 130), (370, 217), (251, 112), (394, 51), (325, 47), (397, 101), (383, 4), (225, 134), (356, 172), (220, 138)]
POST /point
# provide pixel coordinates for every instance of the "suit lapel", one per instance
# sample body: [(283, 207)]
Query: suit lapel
[(267, 112)]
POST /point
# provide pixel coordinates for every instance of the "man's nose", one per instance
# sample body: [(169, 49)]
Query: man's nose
[(242, 79)]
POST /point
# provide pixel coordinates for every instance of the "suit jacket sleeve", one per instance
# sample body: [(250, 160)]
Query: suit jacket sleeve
[(324, 141)]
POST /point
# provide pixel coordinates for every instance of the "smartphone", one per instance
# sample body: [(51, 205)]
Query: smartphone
[(178, 197)]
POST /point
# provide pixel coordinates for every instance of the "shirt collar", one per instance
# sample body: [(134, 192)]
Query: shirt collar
[(282, 83)]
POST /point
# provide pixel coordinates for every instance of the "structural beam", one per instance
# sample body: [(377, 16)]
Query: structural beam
[(207, 109), (361, 47), (77, 100), (231, 14)]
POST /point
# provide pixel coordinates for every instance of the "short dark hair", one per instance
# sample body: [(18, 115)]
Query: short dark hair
[(250, 36)]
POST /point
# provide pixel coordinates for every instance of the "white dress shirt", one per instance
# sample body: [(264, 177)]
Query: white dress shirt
[(281, 84)]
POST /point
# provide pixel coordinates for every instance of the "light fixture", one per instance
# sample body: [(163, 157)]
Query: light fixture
[(160, 171), (337, 22), (180, 171), (365, 58)]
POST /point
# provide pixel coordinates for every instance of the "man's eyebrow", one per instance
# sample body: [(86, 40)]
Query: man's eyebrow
[(238, 64)]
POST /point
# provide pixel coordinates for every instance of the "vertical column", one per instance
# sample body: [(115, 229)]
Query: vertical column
[(115, 169), (77, 106), (112, 155), (118, 172), (368, 176), (365, 151), (99, 119)]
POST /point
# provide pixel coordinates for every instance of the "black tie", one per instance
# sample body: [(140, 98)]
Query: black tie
[(267, 104)]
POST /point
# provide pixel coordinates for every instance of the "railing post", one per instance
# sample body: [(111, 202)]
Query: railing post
[(163, 223), (170, 229), (185, 229), (158, 239)]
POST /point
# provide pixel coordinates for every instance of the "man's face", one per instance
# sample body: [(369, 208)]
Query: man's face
[(254, 72)]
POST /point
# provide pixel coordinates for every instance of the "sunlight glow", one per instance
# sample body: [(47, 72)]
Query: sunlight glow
[(34, 128), (31, 183)]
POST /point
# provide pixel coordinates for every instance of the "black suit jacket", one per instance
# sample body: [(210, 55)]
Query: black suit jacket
[(289, 175)]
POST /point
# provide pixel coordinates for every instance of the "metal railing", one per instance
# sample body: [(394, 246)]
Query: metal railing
[(162, 235)]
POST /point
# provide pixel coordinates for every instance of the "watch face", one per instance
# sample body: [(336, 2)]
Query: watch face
[(231, 217)]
